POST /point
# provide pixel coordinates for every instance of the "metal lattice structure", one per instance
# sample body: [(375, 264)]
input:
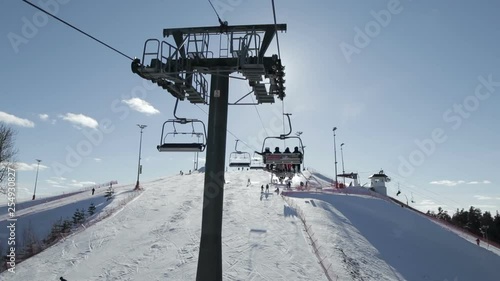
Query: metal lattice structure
[(180, 67)]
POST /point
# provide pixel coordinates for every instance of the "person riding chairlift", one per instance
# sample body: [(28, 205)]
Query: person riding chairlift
[(296, 167), (267, 151)]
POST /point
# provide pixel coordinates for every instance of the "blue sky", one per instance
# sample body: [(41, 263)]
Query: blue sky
[(412, 86)]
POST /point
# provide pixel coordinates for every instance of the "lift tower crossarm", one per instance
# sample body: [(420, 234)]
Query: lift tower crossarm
[(217, 29)]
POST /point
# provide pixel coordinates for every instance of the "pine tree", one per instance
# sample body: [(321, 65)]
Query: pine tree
[(55, 231), (66, 226), (78, 216), (91, 209), (109, 194)]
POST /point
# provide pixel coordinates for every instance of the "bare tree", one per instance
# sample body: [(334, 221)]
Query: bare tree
[(7, 150)]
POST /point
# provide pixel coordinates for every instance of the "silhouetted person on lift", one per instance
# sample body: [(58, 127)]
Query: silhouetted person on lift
[(276, 150), (296, 167), (267, 151), (288, 167)]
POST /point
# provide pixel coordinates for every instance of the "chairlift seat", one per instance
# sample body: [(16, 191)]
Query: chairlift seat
[(181, 147), (239, 164), (283, 158)]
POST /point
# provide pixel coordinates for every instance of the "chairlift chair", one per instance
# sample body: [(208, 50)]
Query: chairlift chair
[(256, 163), (168, 145), (239, 158), (274, 159)]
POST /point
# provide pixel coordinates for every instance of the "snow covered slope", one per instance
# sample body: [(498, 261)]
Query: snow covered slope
[(156, 237), (374, 239)]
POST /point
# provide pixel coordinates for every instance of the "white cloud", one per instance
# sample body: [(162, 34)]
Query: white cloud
[(20, 166), (80, 119), (51, 182), (482, 197), (43, 116), (59, 178), (14, 120), (97, 159), (447, 182), (142, 106), (454, 183), (76, 183), (427, 202)]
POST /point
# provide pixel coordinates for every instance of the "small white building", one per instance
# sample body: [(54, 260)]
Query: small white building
[(378, 182)]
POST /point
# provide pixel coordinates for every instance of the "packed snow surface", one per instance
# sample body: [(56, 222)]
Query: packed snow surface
[(155, 236)]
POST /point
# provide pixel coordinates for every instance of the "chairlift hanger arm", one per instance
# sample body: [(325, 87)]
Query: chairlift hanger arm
[(236, 147), (290, 126)]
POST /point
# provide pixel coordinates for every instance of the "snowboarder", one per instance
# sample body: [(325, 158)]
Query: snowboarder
[(477, 241), (93, 190), (181, 173), (62, 279)]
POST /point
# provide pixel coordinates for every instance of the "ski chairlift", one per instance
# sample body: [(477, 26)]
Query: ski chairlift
[(239, 158), (256, 163), (280, 159), (168, 145)]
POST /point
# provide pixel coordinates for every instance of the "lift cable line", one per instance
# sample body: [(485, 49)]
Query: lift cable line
[(77, 29), (260, 118), (222, 23), (276, 30), (234, 136)]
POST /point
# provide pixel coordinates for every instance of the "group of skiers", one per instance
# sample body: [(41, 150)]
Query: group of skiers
[(282, 167)]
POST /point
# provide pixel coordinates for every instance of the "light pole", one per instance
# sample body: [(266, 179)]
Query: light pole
[(342, 157), (335, 154), (36, 179), (139, 170)]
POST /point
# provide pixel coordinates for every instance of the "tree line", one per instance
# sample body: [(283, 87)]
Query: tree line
[(473, 221)]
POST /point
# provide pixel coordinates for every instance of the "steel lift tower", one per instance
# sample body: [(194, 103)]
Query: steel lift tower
[(180, 68)]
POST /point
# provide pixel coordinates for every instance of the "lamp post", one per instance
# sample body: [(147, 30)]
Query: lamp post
[(36, 179), (342, 157), (335, 154), (139, 170)]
